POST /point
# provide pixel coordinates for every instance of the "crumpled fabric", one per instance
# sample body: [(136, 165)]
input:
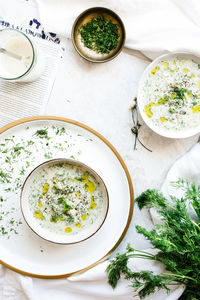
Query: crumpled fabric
[(153, 27)]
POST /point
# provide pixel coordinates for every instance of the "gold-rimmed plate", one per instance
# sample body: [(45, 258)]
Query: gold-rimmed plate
[(25, 144)]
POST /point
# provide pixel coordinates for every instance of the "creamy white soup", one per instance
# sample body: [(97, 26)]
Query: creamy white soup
[(65, 199), (171, 94)]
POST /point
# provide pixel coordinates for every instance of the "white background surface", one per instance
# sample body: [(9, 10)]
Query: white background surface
[(99, 95)]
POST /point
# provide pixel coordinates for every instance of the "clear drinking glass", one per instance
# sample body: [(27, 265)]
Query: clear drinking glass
[(20, 59)]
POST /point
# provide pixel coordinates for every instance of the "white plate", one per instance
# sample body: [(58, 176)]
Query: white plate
[(24, 251), (166, 133)]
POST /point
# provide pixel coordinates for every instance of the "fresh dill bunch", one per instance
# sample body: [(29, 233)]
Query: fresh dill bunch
[(177, 239)]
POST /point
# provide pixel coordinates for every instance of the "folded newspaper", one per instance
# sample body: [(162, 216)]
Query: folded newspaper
[(20, 99)]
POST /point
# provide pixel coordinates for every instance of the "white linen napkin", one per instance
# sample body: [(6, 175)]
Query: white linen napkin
[(93, 284), (153, 27)]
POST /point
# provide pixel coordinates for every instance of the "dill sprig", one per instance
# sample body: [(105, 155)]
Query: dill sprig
[(136, 124), (177, 239)]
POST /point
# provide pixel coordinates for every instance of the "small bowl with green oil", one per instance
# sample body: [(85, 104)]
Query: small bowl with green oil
[(64, 201), (98, 34)]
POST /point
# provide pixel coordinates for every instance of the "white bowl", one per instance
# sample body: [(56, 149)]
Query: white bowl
[(164, 132), (44, 232)]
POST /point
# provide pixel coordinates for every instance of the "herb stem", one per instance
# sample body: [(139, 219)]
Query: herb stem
[(142, 251), (137, 125), (180, 276), (144, 145), (195, 224), (150, 257)]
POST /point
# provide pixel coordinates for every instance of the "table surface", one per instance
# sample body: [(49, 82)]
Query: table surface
[(100, 95)]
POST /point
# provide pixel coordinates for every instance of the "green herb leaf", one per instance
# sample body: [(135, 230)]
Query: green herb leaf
[(66, 207), (61, 199), (54, 218)]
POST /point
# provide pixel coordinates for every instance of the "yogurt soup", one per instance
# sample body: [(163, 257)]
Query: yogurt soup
[(65, 199), (171, 94)]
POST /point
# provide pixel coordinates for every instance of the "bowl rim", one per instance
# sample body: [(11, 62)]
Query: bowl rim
[(80, 164), (165, 133), (108, 11)]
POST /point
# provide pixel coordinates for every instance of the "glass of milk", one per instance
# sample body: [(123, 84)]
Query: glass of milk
[(20, 60)]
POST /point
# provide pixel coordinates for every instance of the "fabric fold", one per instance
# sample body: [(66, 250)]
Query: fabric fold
[(153, 27)]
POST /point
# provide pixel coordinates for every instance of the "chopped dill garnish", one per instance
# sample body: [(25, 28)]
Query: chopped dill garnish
[(42, 133), (100, 35), (4, 177)]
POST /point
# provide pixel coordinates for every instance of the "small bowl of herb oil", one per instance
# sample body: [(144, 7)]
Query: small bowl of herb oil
[(98, 34)]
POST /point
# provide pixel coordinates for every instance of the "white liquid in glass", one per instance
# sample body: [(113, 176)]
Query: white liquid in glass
[(28, 68)]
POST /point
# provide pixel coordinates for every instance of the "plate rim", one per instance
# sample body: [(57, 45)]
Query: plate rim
[(121, 161)]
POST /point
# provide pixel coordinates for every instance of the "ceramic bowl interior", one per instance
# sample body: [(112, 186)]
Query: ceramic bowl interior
[(86, 17), (186, 132), (45, 233)]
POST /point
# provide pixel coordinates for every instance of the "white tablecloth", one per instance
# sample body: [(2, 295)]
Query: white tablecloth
[(152, 26)]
